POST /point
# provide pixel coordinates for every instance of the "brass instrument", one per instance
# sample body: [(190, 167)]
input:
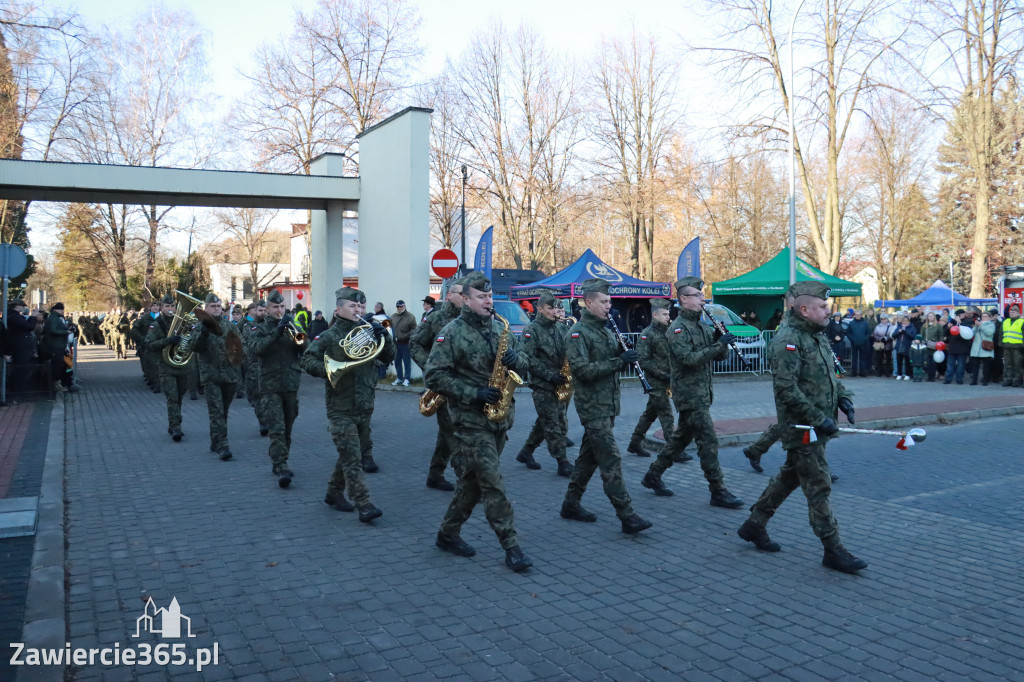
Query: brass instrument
[(430, 403), (502, 378), (564, 392), (185, 324), (360, 346), (293, 332)]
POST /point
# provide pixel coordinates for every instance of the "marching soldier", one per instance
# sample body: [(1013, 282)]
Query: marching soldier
[(693, 348), (460, 366), (146, 357), (420, 343), (349, 403), (807, 391), (595, 360), (218, 375), (652, 349), (173, 378), (121, 328), (255, 316), (544, 342), (277, 385)]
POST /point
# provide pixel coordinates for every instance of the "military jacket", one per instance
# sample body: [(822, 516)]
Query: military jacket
[(544, 342), (356, 388), (692, 349), (461, 361), (213, 358), (140, 328), (251, 363), (422, 339), (652, 347), (278, 370), (156, 341), (807, 389), (593, 351)]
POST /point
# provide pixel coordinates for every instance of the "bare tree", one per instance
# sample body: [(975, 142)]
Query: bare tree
[(447, 154), (249, 227)]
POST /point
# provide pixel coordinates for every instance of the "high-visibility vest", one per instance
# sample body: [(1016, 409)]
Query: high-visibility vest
[(1013, 331)]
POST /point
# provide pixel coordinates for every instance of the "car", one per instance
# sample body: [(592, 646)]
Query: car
[(749, 341), (516, 316)]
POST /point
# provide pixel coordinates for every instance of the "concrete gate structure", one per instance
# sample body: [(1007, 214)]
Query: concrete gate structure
[(391, 196)]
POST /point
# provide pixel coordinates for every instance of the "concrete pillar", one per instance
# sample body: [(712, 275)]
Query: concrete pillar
[(326, 235)]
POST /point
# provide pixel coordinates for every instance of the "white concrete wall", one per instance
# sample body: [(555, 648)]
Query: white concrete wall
[(327, 239), (221, 274)]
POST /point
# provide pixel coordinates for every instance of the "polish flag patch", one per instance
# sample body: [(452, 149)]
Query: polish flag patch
[(643, 336), (439, 339), (678, 330), (790, 346), (575, 335), (526, 334)]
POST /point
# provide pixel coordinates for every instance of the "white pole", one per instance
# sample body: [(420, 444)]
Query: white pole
[(792, 155)]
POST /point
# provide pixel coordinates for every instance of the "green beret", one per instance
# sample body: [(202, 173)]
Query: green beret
[(212, 298), (660, 304), (168, 299), (477, 280), (695, 282), (809, 288), (546, 298), (595, 286), (350, 294), (275, 296)]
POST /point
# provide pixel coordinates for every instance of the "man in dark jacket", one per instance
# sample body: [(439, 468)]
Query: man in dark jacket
[(859, 332), (318, 326), (21, 344), (403, 323), (957, 347), (55, 341)]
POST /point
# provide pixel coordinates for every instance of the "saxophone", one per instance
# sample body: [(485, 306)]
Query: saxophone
[(502, 378), (564, 392)]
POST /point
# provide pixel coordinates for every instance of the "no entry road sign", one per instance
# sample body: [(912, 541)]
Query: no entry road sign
[(444, 263)]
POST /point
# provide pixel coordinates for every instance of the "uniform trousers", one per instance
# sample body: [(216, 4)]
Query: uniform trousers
[(598, 450), (695, 424), (173, 387), (475, 456), (280, 411), (350, 432), (551, 425), (218, 402)]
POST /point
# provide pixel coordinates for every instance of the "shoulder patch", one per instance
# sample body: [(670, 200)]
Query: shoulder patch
[(677, 330), (575, 335), (526, 334), (643, 336), (439, 339), (790, 346)]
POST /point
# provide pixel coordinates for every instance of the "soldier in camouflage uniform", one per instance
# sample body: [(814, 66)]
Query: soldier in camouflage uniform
[(173, 379), (652, 348), (121, 327), (256, 314), (146, 359), (807, 391), (544, 342), (420, 343), (693, 348), (595, 360), (218, 375), (350, 402), (277, 384), (459, 367)]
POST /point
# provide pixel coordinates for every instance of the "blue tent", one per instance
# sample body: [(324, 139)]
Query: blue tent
[(935, 296), (567, 283)]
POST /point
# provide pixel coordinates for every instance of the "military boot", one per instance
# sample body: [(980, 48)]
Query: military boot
[(264, 430), (454, 544), (565, 468), (516, 560), (526, 457), (338, 501), (755, 459), (369, 466), (724, 498), (284, 475), (635, 524), (654, 483), (758, 534), (569, 442), (833, 477), (574, 511), (838, 558), (682, 457), (368, 513), (225, 454), (176, 434), (440, 483), (638, 450)]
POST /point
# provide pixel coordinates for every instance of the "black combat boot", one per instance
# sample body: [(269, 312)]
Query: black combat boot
[(638, 450), (682, 457), (756, 533), (454, 544), (264, 430), (755, 460), (176, 434), (575, 512), (440, 484), (225, 454), (193, 396), (654, 483), (525, 457), (635, 524), (369, 466), (516, 560), (839, 558), (284, 476), (368, 513), (338, 501), (724, 498), (833, 477), (565, 468), (569, 443)]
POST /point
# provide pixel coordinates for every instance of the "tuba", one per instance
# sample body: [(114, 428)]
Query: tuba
[(502, 378), (360, 346), (185, 324), (564, 392)]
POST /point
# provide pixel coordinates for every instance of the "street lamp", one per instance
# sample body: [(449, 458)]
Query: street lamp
[(462, 260), (792, 156)]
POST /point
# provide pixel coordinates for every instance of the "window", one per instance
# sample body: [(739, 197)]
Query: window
[(246, 288)]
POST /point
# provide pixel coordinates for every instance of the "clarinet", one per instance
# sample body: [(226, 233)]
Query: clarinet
[(721, 329), (636, 365), (840, 370)]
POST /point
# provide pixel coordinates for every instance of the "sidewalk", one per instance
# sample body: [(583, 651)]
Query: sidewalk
[(287, 588)]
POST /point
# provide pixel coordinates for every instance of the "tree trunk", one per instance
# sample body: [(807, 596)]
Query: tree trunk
[(979, 255)]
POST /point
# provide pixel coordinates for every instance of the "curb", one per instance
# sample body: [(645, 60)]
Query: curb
[(45, 620)]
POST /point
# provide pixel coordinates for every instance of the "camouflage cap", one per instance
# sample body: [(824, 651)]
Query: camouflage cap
[(809, 288), (546, 298), (461, 281), (695, 282), (660, 304), (350, 294), (595, 286), (168, 299), (477, 280), (212, 298), (275, 296), (260, 303)]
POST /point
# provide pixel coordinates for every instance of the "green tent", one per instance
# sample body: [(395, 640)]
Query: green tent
[(762, 289)]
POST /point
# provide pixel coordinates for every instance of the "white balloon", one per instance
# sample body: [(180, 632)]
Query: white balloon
[(938, 356), (966, 332)]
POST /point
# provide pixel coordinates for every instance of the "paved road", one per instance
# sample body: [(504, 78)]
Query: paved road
[(289, 589)]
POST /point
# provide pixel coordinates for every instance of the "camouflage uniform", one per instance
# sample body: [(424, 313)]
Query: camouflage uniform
[(420, 344), (120, 330), (276, 385), (544, 342), (652, 347), (173, 379), (139, 331), (460, 363), (219, 379), (349, 404), (770, 436), (251, 370), (593, 353)]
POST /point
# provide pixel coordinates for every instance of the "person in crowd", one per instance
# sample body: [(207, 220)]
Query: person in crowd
[(403, 323), (835, 332), (983, 350), (753, 320), (1013, 346), (55, 341), (428, 306), (859, 332), (20, 346), (318, 326), (919, 357), (774, 320), (903, 338), (931, 333), (957, 347), (380, 316), (881, 343)]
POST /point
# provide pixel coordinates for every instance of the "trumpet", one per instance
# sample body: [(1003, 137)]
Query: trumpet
[(293, 332)]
